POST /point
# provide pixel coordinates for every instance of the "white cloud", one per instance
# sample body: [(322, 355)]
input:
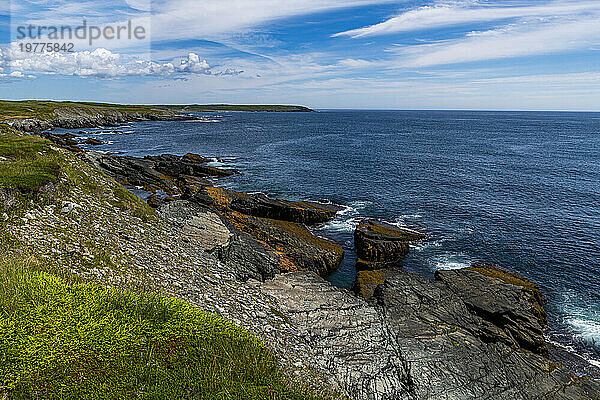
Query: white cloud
[(180, 19), (458, 14), (193, 64), (100, 63), (512, 41), (187, 19), (355, 63)]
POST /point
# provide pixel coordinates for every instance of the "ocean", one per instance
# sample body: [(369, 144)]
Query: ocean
[(519, 189)]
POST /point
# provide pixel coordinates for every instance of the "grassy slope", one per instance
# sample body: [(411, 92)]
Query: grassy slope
[(63, 338), (28, 162), (44, 109)]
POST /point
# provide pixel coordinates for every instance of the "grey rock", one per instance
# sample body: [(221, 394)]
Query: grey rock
[(199, 226), (378, 243), (456, 352), (347, 337), (67, 207)]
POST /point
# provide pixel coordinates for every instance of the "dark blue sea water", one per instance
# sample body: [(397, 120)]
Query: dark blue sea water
[(518, 189)]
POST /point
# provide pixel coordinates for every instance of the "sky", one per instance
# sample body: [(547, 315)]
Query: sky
[(367, 54)]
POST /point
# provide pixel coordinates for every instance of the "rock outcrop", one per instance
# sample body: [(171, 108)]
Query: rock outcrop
[(475, 333), (346, 337), (269, 226), (261, 206), (168, 173), (79, 117), (428, 339), (367, 280), (379, 244), (511, 303)]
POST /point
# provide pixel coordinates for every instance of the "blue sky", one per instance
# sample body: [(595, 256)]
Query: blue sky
[(456, 54)]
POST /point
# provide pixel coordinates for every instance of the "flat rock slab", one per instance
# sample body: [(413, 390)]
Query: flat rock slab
[(199, 226), (261, 206), (347, 337)]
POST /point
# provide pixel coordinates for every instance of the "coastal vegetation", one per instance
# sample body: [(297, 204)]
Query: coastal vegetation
[(60, 338), (63, 336), (44, 110)]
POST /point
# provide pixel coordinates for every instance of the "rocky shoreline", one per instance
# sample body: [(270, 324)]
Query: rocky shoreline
[(75, 118), (466, 334)]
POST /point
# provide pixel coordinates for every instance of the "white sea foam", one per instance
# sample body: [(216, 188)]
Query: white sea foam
[(450, 261), (348, 218), (587, 328), (583, 318), (423, 245)]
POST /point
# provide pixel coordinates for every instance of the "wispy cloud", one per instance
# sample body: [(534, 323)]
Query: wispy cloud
[(444, 15), (515, 40), (187, 19)]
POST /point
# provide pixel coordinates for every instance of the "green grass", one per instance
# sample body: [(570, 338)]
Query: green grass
[(29, 161), (45, 109), (60, 339)]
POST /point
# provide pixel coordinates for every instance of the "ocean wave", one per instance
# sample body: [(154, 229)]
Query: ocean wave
[(586, 327), (424, 245), (348, 218), (583, 319), (222, 162), (98, 133), (450, 261)]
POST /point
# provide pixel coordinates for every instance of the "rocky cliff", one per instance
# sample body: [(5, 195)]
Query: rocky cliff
[(467, 334)]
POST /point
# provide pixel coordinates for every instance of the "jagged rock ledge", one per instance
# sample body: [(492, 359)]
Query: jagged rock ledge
[(260, 235)]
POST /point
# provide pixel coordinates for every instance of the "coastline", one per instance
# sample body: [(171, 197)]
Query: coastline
[(264, 274)]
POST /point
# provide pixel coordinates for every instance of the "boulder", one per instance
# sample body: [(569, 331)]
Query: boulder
[(379, 243), (198, 225)]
